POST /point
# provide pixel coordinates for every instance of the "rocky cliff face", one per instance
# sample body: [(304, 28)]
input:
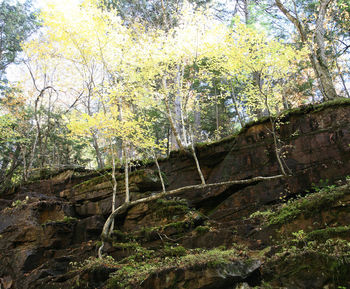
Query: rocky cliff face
[(291, 232)]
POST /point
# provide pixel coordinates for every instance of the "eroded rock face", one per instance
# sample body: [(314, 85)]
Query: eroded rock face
[(309, 270), (28, 237), (315, 146), (63, 215), (38, 237), (222, 277), (94, 196)]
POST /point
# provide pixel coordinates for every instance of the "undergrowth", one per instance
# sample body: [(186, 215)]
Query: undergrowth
[(135, 271), (309, 205), (137, 267)]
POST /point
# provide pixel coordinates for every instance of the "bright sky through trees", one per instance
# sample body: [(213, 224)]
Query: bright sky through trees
[(139, 79)]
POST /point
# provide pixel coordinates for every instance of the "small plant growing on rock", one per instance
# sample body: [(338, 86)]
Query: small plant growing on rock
[(135, 270), (174, 251), (68, 219), (92, 263), (263, 215), (202, 229), (309, 205), (300, 236), (20, 203), (347, 179)]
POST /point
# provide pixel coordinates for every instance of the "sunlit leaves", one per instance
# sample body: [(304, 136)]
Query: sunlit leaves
[(263, 65), (128, 71)]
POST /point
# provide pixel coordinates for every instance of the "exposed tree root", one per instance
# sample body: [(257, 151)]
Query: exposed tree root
[(125, 206)]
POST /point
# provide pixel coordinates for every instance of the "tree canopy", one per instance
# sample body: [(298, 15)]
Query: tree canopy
[(17, 23), (104, 82)]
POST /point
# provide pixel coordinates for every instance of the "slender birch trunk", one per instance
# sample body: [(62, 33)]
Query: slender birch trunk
[(114, 183), (196, 159), (126, 174), (159, 172)]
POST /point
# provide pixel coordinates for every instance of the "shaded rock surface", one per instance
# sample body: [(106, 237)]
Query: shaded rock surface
[(49, 225), (222, 277)]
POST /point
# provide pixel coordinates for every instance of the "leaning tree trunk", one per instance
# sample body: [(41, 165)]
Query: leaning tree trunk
[(159, 172), (316, 47), (126, 206), (324, 77), (327, 86), (196, 159)]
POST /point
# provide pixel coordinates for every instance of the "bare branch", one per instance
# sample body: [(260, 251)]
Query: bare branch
[(128, 205)]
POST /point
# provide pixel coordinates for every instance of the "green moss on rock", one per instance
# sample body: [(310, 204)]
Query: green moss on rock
[(309, 205), (330, 232), (310, 264), (133, 273), (89, 184), (304, 109), (202, 229)]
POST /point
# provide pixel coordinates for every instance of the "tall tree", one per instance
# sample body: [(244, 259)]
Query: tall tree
[(312, 32), (17, 23), (152, 14)]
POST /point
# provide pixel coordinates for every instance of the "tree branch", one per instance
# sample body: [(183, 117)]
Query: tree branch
[(293, 19), (128, 205)]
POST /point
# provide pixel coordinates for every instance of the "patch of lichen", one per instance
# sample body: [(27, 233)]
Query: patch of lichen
[(173, 231), (178, 225), (169, 218), (173, 251)]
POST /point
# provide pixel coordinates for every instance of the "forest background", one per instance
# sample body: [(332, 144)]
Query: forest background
[(98, 83)]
